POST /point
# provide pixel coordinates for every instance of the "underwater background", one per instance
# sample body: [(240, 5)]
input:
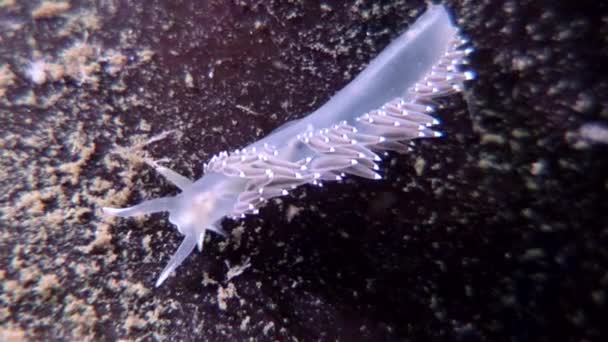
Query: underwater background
[(496, 231)]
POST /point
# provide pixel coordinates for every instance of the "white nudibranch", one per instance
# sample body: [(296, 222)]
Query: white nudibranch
[(382, 109)]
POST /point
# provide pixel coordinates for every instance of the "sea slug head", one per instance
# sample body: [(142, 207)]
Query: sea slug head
[(194, 212), (200, 207)]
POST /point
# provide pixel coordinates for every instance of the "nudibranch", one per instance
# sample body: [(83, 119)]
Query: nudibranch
[(388, 104)]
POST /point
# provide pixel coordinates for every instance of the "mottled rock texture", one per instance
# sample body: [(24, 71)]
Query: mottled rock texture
[(495, 232)]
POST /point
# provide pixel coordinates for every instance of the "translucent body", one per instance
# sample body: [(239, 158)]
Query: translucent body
[(229, 187), (398, 67)]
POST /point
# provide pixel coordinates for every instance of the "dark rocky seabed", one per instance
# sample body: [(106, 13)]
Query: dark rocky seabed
[(498, 231)]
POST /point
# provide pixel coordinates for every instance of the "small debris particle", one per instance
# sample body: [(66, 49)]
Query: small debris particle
[(74, 169), (598, 297), (207, 280), (593, 132), (133, 321), (7, 4), (267, 327), (224, 293), (495, 139), (258, 25), (237, 233), (537, 168), (189, 80), (81, 314), (145, 242), (419, 166), (291, 212), (116, 62), (244, 323), (248, 110), (326, 8), (145, 126), (49, 9), (12, 334), (237, 269), (7, 78), (145, 55), (37, 72), (532, 254), (80, 63), (103, 238), (46, 284), (55, 70)]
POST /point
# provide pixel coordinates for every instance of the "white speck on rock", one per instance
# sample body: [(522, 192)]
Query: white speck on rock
[(267, 327), (36, 71), (244, 323), (291, 212)]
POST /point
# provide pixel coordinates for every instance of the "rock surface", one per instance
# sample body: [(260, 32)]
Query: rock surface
[(495, 232)]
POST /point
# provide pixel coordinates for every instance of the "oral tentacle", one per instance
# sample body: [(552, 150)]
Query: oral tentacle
[(185, 248), (146, 207)]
